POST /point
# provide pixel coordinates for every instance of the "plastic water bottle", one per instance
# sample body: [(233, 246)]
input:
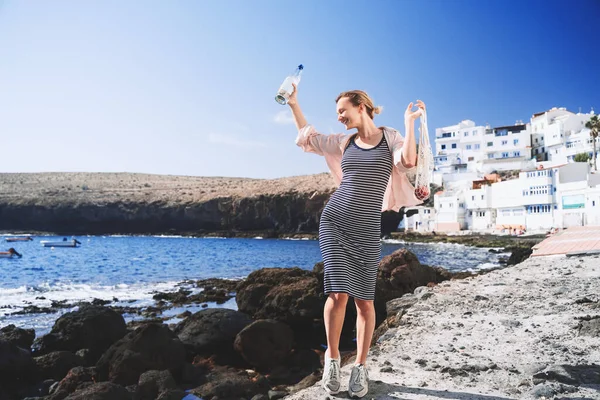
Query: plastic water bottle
[(286, 88)]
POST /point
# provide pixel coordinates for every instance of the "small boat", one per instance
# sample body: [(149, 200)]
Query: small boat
[(63, 243), (10, 253), (19, 239)]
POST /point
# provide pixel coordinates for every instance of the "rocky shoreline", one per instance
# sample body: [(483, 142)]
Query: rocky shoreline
[(271, 346), (531, 331)]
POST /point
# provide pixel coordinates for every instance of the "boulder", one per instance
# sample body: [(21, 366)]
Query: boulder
[(265, 344), (212, 332), (18, 336), (149, 347), (91, 327)]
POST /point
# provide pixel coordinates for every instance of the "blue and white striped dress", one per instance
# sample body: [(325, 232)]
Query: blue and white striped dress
[(350, 226)]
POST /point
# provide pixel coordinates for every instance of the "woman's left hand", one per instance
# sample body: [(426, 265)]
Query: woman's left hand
[(410, 115)]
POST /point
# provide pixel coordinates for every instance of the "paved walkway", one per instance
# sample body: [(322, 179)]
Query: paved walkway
[(574, 240)]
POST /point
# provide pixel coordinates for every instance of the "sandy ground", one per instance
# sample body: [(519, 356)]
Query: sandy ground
[(514, 333), (53, 187)]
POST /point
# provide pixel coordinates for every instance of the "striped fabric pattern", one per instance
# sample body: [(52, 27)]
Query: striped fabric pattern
[(350, 225)]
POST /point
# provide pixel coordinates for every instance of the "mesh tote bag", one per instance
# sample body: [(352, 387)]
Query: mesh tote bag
[(424, 172)]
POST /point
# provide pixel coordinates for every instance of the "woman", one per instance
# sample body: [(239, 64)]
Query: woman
[(369, 167)]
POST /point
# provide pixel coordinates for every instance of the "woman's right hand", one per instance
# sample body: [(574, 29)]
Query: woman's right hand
[(293, 100)]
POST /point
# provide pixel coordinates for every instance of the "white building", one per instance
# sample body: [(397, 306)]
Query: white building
[(420, 219), (467, 148), (507, 200), (577, 196), (538, 197), (506, 148), (480, 215), (558, 135), (450, 211), (458, 145), (553, 192)]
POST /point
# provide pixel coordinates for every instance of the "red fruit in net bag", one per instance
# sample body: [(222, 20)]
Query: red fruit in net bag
[(422, 192)]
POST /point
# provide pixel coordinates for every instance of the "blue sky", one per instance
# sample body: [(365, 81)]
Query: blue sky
[(187, 87)]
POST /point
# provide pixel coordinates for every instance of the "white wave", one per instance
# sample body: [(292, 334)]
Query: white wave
[(483, 267), (393, 241), (15, 299), (170, 236)]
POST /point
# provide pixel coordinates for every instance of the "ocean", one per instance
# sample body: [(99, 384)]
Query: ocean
[(133, 268)]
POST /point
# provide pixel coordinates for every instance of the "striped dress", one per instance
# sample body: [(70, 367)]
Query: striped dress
[(350, 225)]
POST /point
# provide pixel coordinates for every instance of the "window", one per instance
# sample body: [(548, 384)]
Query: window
[(477, 146), (517, 154), (475, 132), (504, 142), (473, 198), (481, 197), (505, 155), (516, 142), (468, 147), (491, 155), (466, 134), (443, 147), (471, 159), (593, 203), (490, 144), (453, 145)]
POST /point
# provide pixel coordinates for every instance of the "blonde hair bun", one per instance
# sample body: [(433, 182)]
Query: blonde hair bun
[(358, 97)]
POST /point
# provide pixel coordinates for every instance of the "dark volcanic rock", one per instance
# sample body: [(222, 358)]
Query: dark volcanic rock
[(16, 366), (212, 331), (590, 327), (231, 384), (290, 295), (571, 374), (77, 377), (518, 255), (101, 391), (400, 273), (265, 343), (18, 336), (150, 347), (57, 364), (91, 327), (151, 383)]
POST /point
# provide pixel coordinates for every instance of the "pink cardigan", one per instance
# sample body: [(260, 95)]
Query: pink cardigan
[(399, 192)]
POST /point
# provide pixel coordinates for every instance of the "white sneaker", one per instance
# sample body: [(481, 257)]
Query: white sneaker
[(331, 375), (359, 381)]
